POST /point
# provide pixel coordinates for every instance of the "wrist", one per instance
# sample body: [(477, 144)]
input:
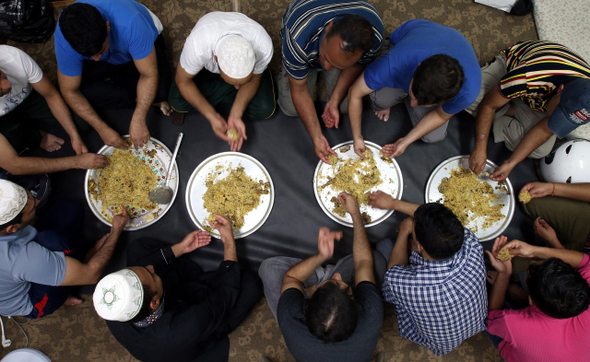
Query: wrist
[(177, 249)]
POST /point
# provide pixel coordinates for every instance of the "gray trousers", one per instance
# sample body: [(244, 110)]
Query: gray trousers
[(329, 78), (272, 271), (507, 129), (389, 97)]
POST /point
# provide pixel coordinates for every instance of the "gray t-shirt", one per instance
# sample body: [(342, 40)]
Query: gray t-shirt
[(305, 347), (22, 262)]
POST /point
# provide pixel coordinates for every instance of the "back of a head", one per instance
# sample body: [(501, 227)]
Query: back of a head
[(558, 289), (84, 28), (438, 230), (332, 314), (437, 80), (355, 31)]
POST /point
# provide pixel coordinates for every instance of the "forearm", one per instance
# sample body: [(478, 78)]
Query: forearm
[(355, 114), (79, 104), (97, 263), (405, 207), (62, 113), (573, 191), (399, 254), (361, 250), (229, 249), (245, 95), (304, 269), (191, 93), (531, 141), (147, 86), (431, 121), (572, 257), (483, 125), (17, 165), (498, 292), (306, 110)]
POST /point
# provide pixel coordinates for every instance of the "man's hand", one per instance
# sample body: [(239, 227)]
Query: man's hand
[(112, 138), (139, 133), (224, 226), (502, 267), (381, 200), (520, 248), (538, 189), (326, 242), (359, 147), (323, 149), (502, 172), (331, 115), (350, 204), (547, 233), (219, 127), (119, 221), (238, 124), (407, 226), (90, 161), (477, 160), (79, 146), (395, 149), (191, 242)]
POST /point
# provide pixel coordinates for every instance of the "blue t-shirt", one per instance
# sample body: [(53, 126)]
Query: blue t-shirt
[(132, 36), (415, 41)]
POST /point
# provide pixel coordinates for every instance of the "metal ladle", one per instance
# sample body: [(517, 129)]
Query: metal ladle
[(162, 194)]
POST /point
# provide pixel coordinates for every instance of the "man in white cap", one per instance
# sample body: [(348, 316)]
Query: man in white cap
[(165, 308), (223, 74), (38, 264)]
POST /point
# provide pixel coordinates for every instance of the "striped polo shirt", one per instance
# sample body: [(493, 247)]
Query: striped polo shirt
[(303, 27), (537, 68)]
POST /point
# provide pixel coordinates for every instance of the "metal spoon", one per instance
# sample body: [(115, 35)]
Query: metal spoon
[(162, 194)]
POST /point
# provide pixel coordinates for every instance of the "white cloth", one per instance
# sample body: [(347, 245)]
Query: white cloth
[(13, 199), (118, 296), (21, 70), (199, 48)]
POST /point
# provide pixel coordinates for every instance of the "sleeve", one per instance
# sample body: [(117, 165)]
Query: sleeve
[(141, 37), (265, 55), (69, 62), (497, 324), (31, 68), (295, 65), (146, 253), (40, 265), (367, 295), (511, 84), (584, 268), (389, 292), (189, 58), (291, 303), (377, 73)]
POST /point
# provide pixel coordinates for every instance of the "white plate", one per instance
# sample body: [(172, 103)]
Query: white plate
[(444, 170), (393, 184), (140, 218), (196, 189)]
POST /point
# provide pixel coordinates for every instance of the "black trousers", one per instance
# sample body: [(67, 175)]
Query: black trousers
[(115, 86)]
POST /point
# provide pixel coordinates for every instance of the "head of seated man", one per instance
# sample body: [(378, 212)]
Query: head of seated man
[(437, 80), (236, 59), (5, 85), (345, 41), (557, 289), (129, 295), (332, 312), (437, 232), (26, 216), (85, 29)]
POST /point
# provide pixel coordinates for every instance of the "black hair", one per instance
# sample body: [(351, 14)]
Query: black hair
[(83, 26), (332, 314), (16, 220), (558, 289), (146, 310), (437, 80), (438, 230), (356, 33)]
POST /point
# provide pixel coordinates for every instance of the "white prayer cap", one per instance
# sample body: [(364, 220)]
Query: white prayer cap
[(13, 199), (118, 296), (235, 56)]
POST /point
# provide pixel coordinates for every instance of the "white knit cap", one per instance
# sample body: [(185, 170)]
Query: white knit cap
[(235, 56), (118, 296), (13, 199)]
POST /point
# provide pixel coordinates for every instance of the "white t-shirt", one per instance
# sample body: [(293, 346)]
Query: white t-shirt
[(21, 70), (199, 48)]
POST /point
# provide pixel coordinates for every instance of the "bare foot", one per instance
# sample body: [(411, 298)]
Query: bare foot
[(50, 142), (383, 115), (164, 107), (73, 300)]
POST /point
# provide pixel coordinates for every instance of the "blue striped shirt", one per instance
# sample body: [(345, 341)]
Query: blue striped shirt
[(303, 27), (439, 304)]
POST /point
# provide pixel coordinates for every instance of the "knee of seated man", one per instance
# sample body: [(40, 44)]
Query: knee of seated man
[(433, 138)]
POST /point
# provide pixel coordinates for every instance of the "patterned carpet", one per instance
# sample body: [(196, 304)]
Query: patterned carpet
[(77, 334)]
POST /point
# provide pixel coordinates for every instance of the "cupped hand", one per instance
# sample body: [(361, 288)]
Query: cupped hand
[(323, 149), (381, 200), (538, 189), (350, 203), (331, 115), (359, 147), (224, 226), (502, 267), (520, 248), (502, 172), (395, 149), (119, 221), (195, 240), (238, 124), (326, 242), (219, 127), (545, 231)]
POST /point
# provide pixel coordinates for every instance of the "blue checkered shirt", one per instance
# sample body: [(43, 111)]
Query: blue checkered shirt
[(439, 304)]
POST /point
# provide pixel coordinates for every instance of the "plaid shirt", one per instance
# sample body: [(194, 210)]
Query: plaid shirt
[(440, 303)]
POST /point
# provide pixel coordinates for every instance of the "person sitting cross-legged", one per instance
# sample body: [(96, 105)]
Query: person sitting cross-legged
[(439, 289), (164, 307), (332, 313)]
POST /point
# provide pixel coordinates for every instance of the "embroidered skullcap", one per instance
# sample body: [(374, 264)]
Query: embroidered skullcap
[(235, 56), (13, 199), (118, 296)]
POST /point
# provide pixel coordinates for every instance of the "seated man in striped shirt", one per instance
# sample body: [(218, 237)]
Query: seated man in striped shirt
[(340, 37), (439, 289), (532, 93)]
